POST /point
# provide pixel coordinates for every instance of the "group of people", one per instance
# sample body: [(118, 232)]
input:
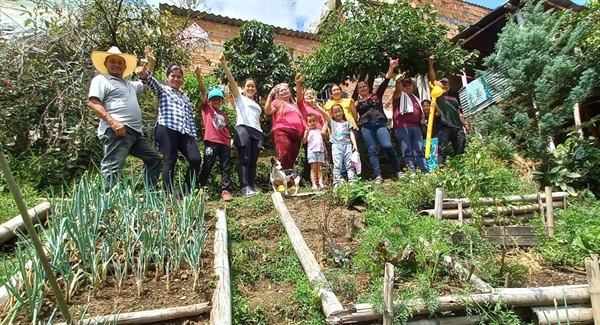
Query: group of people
[(295, 122)]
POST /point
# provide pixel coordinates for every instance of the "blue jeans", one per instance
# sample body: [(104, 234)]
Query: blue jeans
[(116, 150), (378, 131), (410, 139)]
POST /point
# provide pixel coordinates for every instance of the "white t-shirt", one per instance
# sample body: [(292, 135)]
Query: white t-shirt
[(248, 112), (119, 98)]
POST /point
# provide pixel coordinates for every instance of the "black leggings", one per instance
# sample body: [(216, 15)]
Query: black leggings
[(248, 142), (169, 142)]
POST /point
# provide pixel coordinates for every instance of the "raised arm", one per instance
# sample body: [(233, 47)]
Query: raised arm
[(151, 58), (269, 104), (388, 75), (201, 85), (233, 86), (398, 86), (324, 113), (299, 91), (431, 74)]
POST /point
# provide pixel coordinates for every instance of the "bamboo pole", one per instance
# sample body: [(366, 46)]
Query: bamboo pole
[(467, 275), (221, 312), (512, 297), (562, 315), (35, 239), (541, 205), (489, 211), (330, 303), (549, 211), (458, 320), (388, 294), (593, 276), (451, 203), (439, 203), (148, 316), (460, 212), (39, 212)]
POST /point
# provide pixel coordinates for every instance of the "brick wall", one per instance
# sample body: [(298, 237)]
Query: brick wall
[(218, 33), (456, 13)]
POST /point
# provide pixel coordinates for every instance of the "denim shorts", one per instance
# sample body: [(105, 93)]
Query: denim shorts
[(314, 157)]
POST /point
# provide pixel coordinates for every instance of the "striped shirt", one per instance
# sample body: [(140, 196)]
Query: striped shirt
[(174, 108)]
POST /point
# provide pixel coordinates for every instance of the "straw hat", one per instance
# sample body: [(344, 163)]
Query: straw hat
[(98, 58)]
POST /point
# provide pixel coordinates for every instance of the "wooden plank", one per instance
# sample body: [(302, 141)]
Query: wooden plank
[(512, 241), (388, 294), (509, 230)]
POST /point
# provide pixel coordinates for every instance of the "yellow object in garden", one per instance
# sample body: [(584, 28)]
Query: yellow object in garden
[(436, 91)]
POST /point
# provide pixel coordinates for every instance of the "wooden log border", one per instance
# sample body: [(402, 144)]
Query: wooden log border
[(329, 302), (222, 310), (7, 229)]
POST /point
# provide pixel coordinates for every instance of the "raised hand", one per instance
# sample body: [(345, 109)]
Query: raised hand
[(198, 70), (394, 63), (299, 77), (141, 72), (401, 76), (149, 53), (432, 58), (222, 58)]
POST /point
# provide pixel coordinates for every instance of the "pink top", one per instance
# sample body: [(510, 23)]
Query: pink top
[(291, 118), (408, 119), (306, 109), (215, 125)]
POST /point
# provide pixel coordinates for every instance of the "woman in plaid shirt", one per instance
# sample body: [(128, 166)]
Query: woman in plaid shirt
[(175, 128)]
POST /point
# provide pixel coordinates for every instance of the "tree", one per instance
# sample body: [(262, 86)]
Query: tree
[(360, 44), (546, 72), (591, 42), (254, 54), (45, 124)]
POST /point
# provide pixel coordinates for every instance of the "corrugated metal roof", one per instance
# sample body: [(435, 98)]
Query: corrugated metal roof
[(497, 85), (233, 21)]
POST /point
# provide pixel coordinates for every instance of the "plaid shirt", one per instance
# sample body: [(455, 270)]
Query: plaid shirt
[(174, 108)]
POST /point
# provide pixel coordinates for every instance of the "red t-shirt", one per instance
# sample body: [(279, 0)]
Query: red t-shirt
[(290, 118), (215, 125), (409, 119)]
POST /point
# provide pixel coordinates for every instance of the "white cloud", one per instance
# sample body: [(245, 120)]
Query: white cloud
[(292, 14)]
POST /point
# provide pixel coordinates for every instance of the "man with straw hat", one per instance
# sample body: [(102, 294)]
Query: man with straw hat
[(114, 100)]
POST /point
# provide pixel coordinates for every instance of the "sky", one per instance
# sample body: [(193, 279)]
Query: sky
[(292, 14)]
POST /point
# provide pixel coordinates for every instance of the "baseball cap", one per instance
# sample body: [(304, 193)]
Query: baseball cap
[(215, 93), (407, 80), (444, 80)]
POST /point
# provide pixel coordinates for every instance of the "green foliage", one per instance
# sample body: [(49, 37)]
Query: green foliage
[(591, 42), (575, 163), (547, 75), (252, 53), (358, 39), (577, 230), (45, 123)]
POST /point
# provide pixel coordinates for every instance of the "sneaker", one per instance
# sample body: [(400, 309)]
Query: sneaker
[(378, 180), (280, 188), (248, 192), (322, 186), (315, 187), (401, 176), (226, 196), (292, 189)]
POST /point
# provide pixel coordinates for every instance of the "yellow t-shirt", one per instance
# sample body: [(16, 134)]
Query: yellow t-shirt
[(345, 103)]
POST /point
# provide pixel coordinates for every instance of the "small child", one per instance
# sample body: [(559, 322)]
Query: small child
[(343, 143), (316, 151), (217, 139)]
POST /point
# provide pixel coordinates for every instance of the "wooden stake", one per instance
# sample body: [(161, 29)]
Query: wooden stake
[(388, 294), (460, 212), (221, 312), (439, 203), (541, 206), (593, 276), (549, 211)]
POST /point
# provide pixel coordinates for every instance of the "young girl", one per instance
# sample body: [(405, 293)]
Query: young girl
[(315, 150), (217, 139), (343, 143)]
